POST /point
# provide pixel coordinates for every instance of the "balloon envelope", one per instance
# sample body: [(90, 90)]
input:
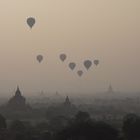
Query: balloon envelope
[(30, 21), (63, 57), (72, 65), (39, 58), (96, 62), (80, 73), (87, 64)]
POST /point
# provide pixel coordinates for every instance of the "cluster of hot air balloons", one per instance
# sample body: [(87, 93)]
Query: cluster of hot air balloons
[(72, 65)]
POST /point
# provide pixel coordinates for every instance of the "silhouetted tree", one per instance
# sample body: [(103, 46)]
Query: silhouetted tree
[(131, 127), (82, 116), (58, 123), (88, 131), (83, 128), (45, 135), (42, 126), (18, 126), (3, 124), (104, 131)]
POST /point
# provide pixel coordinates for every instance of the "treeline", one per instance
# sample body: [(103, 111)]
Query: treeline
[(80, 127)]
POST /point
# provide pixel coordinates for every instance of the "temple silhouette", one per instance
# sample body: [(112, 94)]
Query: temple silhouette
[(18, 102), (67, 102), (110, 89)]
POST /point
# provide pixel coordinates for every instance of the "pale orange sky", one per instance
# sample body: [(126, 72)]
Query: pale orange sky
[(83, 29)]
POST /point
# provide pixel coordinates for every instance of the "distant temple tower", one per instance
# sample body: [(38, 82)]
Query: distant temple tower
[(110, 89), (17, 102), (67, 102)]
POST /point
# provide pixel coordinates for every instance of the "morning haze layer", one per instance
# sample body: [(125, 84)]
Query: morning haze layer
[(84, 29)]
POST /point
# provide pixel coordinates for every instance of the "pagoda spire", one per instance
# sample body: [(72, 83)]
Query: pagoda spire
[(18, 92), (110, 89), (67, 101)]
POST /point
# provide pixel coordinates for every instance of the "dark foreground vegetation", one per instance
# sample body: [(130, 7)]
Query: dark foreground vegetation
[(80, 127)]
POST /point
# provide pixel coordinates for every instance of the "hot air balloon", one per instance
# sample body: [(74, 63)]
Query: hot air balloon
[(31, 21), (39, 58), (72, 65), (80, 73), (96, 62), (63, 57), (87, 64)]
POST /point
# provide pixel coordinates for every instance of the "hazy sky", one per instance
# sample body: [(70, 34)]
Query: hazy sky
[(83, 29)]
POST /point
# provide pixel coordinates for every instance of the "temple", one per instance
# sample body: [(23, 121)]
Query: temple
[(67, 102), (110, 89), (17, 102)]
